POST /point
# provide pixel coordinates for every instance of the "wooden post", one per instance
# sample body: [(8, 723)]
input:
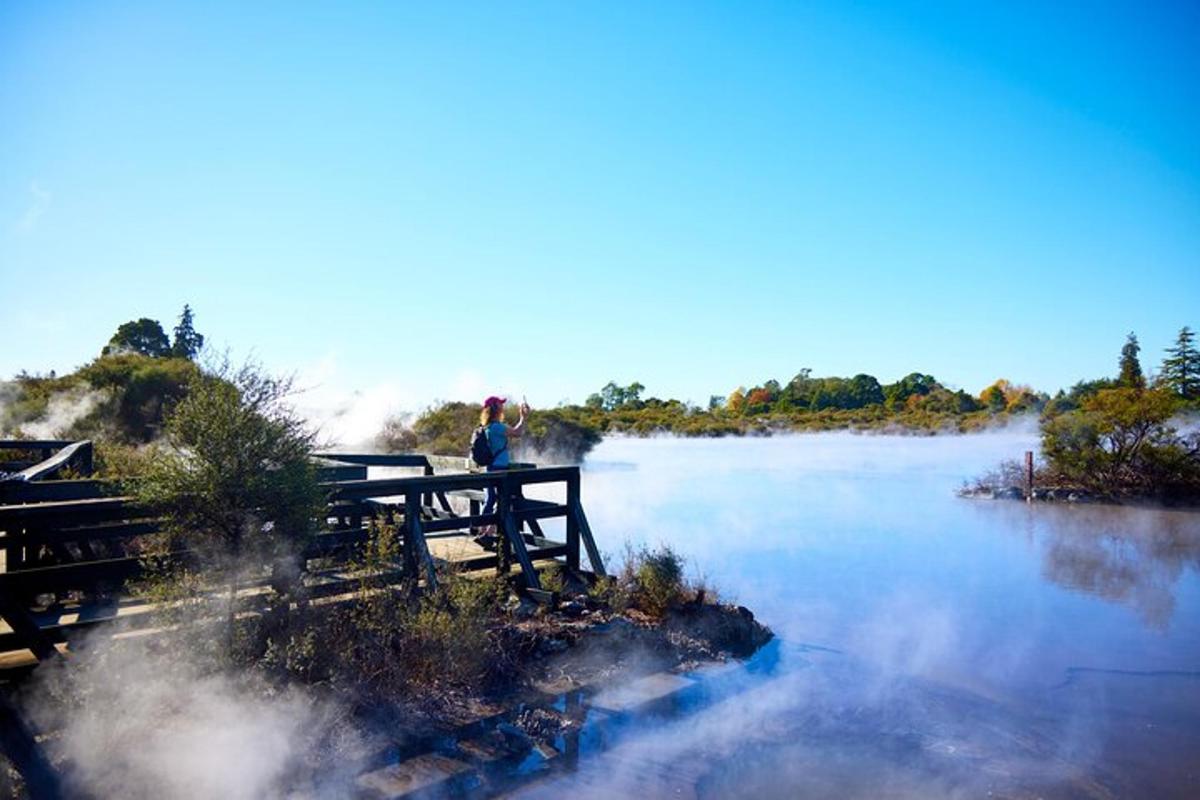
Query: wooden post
[(413, 531), (572, 522), (86, 458), (513, 534), (474, 508), (1028, 475), (18, 742), (428, 498), (13, 611)]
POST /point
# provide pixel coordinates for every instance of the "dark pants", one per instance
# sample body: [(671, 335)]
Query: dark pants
[(493, 494)]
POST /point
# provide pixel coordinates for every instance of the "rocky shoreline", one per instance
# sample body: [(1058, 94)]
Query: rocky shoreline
[(1039, 494), (580, 642)]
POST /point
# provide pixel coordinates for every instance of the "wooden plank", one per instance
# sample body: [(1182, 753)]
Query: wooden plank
[(585, 533), (80, 575), (78, 454), (377, 459), (344, 472), (540, 512), (93, 510), (385, 487), (102, 532), (34, 444), (461, 523), (44, 491)]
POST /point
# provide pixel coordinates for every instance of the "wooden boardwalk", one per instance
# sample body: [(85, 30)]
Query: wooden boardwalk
[(68, 547)]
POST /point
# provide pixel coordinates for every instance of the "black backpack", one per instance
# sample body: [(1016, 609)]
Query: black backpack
[(481, 448)]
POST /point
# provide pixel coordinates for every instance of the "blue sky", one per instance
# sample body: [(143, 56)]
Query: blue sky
[(410, 201)]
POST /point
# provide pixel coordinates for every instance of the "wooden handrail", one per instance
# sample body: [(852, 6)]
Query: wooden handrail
[(80, 452)]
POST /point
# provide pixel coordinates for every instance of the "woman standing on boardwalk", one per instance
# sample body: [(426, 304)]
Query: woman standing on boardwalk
[(497, 433)]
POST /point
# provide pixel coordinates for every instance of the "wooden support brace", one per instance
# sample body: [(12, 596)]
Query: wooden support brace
[(585, 533), (512, 535), (21, 746), (24, 626)]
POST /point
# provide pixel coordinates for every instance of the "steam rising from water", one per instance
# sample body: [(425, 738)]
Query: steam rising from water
[(63, 410), (957, 624), (137, 719)]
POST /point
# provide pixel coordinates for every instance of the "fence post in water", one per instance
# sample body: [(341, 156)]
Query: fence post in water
[(1028, 476)]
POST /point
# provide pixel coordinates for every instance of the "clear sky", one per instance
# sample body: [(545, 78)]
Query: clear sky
[(420, 200)]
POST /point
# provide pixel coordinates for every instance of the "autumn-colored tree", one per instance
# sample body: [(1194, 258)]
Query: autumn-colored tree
[(758, 400), (993, 397), (736, 403)]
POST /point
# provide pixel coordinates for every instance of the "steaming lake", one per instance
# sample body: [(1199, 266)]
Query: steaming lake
[(929, 646)]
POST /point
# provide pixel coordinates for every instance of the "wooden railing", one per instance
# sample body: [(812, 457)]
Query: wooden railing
[(56, 456), (82, 537)]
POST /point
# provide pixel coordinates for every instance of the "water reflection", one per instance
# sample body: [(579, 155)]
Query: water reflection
[(1133, 556)]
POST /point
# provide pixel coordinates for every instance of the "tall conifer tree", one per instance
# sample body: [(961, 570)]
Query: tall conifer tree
[(1181, 367), (187, 342), (1131, 369)]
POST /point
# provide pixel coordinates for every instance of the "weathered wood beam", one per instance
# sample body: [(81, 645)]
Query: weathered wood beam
[(78, 454), (413, 531), (515, 540), (585, 533), (46, 491), (21, 747)]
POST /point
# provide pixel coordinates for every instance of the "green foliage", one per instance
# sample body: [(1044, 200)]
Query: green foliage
[(187, 342), (560, 435), (446, 429), (144, 336), (395, 642), (613, 397), (1119, 442), (659, 580), (553, 579), (232, 473), (992, 398), (1130, 375), (140, 392), (1181, 368), (553, 435), (915, 383), (652, 581)]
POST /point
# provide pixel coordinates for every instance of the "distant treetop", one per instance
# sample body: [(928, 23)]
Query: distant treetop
[(146, 337), (1131, 375), (187, 342), (143, 336)]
